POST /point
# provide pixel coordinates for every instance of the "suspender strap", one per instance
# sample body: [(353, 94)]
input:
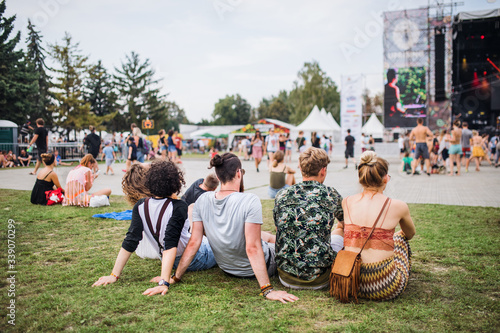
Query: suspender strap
[(376, 222), (155, 234)]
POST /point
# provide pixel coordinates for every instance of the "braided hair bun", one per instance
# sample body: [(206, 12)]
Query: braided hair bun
[(368, 157)]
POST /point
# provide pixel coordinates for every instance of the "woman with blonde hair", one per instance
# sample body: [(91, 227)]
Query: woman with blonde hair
[(281, 175), (386, 257), (46, 180), (80, 181)]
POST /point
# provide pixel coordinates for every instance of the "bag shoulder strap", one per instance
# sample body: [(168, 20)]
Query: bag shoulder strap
[(47, 175), (155, 234), (376, 222)]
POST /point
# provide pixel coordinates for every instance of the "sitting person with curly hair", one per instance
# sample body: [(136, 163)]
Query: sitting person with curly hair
[(163, 219)]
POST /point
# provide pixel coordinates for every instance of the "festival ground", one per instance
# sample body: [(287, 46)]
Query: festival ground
[(470, 189)]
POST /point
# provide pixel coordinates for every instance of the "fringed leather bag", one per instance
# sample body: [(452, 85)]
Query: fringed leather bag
[(344, 277)]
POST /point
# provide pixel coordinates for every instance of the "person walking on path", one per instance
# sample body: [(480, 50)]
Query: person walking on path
[(110, 155), (41, 138), (465, 142), (477, 150), (419, 134), (349, 149), (271, 145), (257, 144), (455, 147)]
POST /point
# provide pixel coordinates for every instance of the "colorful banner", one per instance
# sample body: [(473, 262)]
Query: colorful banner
[(351, 106)]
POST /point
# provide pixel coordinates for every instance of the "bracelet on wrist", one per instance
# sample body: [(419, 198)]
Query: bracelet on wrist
[(265, 288), (267, 292), (116, 276), (175, 278)]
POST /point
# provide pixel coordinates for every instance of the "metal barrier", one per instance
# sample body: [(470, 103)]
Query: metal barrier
[(69, 151)]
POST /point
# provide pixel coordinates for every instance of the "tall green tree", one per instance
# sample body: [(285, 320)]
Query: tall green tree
[(313, 87), (232, 110), (36, 55), (138, 90), (17, 80), (276, 107), (99, 91), (70, 111)]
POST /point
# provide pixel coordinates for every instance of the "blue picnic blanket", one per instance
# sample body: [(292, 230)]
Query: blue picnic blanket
[(126, 215)]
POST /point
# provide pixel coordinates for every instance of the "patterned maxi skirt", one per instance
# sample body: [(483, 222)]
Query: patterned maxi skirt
[(387, 279)]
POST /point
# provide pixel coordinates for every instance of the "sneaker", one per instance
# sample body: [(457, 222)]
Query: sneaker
[(345, 167), (257, 169), (355, 167), (428, 174)]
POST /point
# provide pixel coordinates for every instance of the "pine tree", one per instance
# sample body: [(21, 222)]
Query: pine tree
[(36, 58), (139, 90), (99, 92), (70, 111), (17, 82)]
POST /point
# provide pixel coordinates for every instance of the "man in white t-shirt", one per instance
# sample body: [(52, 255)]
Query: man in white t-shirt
[(271, 146), (232, 221)]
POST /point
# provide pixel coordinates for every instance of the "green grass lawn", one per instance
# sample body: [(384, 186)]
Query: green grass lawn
[(61, 251)]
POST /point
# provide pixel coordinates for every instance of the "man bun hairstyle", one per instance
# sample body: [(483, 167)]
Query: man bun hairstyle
[(226, 166), (372, 170), (164, 178)]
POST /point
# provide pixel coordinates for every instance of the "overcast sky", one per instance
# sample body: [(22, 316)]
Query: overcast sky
[(207, 49)]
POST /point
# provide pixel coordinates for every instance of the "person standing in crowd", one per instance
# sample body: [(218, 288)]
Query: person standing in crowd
[(315, 141), (477, 150), (325, 143), (141, 145), (419, 134), (172, 151), (455, 147), (407, 143), (109, 153), (288, 149), (349, 149), (401, 145), (364, 142), (307, 211), (41, 138), (271, 145), (25, 131), (132, 153), (465, 143), (300, 142), (178, 145), (257, 144), (444, 146), (210, 183), (46, 180), (232, 221), (162, 143), (244, 147), (93, 142)]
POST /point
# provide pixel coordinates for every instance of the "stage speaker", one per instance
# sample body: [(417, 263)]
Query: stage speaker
[(495, 95), (439, 66)]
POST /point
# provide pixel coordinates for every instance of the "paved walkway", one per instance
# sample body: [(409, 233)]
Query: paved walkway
[(470, 189)]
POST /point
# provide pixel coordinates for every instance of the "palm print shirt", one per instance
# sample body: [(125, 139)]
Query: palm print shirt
[(304, 215)]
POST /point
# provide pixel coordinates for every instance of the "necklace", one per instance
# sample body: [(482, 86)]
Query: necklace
[(221, 190)]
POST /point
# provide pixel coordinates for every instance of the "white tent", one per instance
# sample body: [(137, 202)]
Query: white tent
[(373, 127), (319, 122)]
